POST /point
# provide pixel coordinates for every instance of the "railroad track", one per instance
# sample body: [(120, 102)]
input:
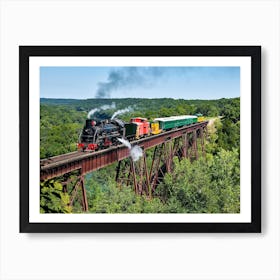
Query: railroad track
[(50, 160)]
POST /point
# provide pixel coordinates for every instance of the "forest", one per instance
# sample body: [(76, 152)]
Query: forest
[(210, 184)]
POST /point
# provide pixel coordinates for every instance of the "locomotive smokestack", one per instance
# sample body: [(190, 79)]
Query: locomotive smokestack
[(89, 123)]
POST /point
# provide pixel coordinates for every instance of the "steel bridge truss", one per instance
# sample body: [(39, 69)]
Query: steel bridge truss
[(74, 185), (145, 176)]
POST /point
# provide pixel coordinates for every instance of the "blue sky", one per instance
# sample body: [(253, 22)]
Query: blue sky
[(140, 82)]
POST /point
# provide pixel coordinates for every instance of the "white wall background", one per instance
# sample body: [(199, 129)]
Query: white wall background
[(139, 256)]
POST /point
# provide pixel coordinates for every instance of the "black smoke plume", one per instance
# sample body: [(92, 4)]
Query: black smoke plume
[(127, 78)]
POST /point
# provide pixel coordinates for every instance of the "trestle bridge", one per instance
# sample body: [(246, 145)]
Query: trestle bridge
[(181, 142)]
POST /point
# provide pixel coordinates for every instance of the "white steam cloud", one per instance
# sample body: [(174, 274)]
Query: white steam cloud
[(92, 112), (102, 108), (125, 142), (135, 152), (106, 107), (122, 111)]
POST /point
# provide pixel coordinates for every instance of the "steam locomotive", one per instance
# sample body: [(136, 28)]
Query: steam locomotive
[(97, 135), (100, 134)]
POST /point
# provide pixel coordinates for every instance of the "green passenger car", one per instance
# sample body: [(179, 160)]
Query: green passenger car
[(176, 121)]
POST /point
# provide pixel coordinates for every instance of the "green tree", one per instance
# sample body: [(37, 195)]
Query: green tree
[(53, 199), (208, 185)]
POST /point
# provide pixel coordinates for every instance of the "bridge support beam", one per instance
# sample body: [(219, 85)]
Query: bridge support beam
[(77, 192), (84, 194), (202, 133), (185, 145)]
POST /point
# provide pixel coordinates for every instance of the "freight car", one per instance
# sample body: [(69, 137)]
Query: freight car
[(200, 118), (105, 133), (137, 128)]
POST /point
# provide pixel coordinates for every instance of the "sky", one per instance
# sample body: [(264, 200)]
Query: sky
[(140, 82)]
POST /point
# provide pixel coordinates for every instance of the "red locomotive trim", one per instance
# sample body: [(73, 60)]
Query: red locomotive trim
[(107, 143), (80, 145), (92, 146)]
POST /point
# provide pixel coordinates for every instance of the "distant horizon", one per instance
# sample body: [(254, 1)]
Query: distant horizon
[(136, 98)]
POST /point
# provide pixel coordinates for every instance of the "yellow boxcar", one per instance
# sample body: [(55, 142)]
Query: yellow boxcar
[(155, 128), (200, 118)]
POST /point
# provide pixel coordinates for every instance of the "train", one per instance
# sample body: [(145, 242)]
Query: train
[(102, 134)]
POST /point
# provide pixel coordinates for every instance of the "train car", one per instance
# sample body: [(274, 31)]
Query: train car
[(131, 130), (137, 128), (200, 118), (175, 121), (155, 128)]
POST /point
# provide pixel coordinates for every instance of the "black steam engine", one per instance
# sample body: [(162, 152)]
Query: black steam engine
[(100, 134)]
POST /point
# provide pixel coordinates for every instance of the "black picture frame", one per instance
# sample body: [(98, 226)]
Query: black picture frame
[(254, 52)]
